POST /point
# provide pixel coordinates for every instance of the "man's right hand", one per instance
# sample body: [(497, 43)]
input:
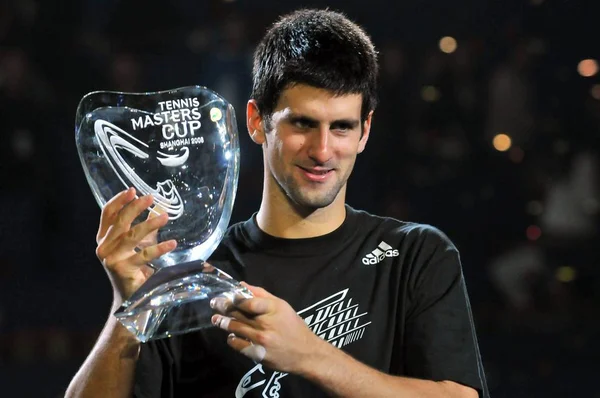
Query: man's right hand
[(117, 239)]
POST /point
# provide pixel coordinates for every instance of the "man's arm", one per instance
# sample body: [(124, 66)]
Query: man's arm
[(109, 369), (290, 346), (343, 376)]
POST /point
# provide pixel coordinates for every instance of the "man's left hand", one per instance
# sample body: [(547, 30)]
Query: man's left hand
[(268, 327)]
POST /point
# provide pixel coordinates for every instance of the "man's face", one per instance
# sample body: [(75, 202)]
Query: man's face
[(312, 142)]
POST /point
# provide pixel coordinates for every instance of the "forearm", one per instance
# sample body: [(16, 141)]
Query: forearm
[(109, 369), (342, 376)]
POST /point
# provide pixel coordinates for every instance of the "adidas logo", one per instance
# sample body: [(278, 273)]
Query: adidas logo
[(376, 256)]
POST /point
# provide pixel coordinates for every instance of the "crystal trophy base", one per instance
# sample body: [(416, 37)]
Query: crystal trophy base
[(176, 300)]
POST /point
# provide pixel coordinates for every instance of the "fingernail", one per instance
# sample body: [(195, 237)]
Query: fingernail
[(219, 304), (169, 245), (220, 321), (224, 323), (255, 352)]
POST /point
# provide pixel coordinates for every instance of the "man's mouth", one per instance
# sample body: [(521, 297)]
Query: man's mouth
[(318, 174)]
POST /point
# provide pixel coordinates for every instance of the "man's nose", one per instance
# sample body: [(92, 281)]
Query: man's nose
[(320, 145)]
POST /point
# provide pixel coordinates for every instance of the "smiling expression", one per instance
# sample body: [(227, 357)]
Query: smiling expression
[(312, 143)]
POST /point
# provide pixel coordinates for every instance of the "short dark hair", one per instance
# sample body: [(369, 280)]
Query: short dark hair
[(320, 48)]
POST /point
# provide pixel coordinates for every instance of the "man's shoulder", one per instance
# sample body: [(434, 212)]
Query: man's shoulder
[(233, 237), (235, 229), (407, 232)]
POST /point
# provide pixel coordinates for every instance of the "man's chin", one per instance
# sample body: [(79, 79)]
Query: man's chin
[(308, 197), (312, 203)]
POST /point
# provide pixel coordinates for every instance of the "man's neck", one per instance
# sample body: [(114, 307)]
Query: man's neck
[(278, 217)]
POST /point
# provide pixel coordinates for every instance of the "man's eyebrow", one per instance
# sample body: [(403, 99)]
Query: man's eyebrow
[(297, 117), (348, 123)]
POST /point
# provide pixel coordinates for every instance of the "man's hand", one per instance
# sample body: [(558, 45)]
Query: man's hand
[(117, 239), (271, 323), (268, 330)]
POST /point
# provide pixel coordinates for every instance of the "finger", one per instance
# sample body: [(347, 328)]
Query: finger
[(207, 267), (256, 306), (255, 352), (111, 209), (150, 253), (133, 209), (225, 301), (257, 291), (242, 317), (225, 306), (144, 256), (234, 326), (155, 211), (139, 233), (125, 217), (221, 304)]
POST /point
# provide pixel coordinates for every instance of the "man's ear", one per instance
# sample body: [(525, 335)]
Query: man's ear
[(255, 122), (365, 133)]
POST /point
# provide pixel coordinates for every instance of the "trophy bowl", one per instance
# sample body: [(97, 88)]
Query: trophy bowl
[(182, 147)]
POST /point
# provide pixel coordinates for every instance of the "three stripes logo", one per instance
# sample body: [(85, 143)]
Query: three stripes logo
[(376, 256)]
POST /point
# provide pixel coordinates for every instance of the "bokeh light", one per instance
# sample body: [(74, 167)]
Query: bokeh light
[(533, 232), (502, 142), (430, 94), (566, 274), (588, 67), (448, 44), (516, 154), (595, 91)]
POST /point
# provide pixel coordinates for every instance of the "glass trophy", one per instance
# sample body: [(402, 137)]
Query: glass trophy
[(182, 147)]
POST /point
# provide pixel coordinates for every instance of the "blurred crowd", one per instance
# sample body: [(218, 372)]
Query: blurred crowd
[(495, 141)]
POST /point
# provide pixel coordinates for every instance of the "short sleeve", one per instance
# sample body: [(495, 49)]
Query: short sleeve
[(154, 370), (183, 366), (441, 343)]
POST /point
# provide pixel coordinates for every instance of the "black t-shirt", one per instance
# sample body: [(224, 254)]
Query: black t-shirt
[(389, 293)]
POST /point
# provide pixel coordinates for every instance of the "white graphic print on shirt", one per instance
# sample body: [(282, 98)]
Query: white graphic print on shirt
[(334, 319)]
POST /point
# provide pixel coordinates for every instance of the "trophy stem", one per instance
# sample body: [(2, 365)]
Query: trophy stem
[(176, 300)]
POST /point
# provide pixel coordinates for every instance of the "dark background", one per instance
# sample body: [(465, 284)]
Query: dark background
[(524, 219)]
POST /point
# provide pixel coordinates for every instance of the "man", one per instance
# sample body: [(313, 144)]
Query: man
[(349, 304)]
